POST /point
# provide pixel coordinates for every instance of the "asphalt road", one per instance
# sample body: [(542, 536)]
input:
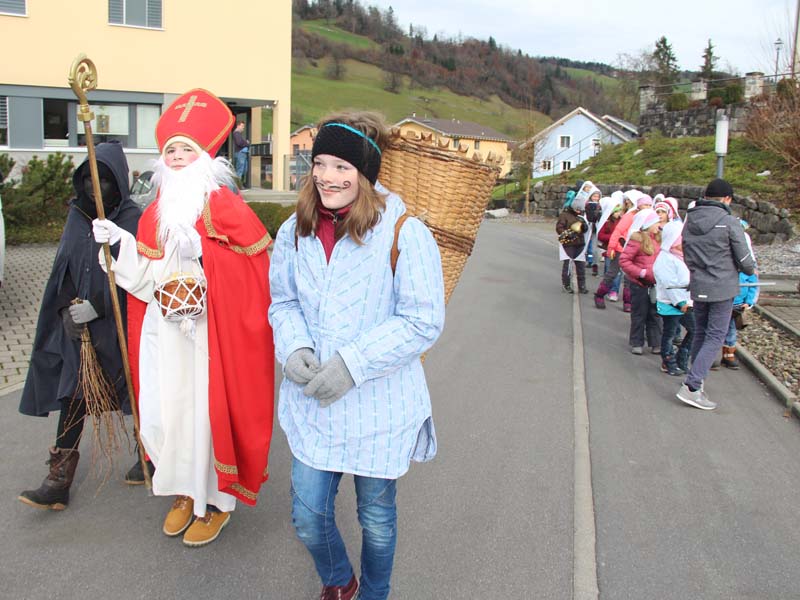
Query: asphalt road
[(688, 504)]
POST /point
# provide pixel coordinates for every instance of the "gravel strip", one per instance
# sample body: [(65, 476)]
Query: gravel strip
[(779, 259), (777, 350)]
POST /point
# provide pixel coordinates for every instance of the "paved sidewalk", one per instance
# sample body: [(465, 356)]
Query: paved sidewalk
[(26, 271)]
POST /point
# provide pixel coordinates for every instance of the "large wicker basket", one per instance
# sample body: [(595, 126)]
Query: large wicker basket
[(445, 188)]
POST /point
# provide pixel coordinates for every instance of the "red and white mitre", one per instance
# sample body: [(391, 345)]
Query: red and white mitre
[(198, 118)]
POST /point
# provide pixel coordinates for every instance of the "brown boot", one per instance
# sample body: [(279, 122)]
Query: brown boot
[(729, 357), (54, 491)]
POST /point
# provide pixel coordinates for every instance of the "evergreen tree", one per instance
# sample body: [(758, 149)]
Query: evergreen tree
[(666, 64), (709, 62)]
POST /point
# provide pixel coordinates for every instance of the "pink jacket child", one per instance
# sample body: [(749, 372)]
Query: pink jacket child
[(641, 251)]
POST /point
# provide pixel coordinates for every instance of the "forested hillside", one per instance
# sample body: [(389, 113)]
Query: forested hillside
[(466, 66)]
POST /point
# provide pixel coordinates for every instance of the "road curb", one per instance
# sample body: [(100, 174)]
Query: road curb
[(787, 327), (767, 378), (11, 388)]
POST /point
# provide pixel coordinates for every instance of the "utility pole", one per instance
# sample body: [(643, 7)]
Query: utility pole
[(794, 42)]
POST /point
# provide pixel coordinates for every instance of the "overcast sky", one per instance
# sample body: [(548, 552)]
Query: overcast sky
[(743, 36)]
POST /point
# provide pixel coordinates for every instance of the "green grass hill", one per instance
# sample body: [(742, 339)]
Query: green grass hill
[(314, 95), (689, 160)]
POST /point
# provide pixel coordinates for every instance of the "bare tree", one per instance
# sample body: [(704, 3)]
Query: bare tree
[(774, 125), (632, 71)]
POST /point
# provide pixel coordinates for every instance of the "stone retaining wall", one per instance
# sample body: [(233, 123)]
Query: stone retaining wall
[(768, 223), (700, 121)]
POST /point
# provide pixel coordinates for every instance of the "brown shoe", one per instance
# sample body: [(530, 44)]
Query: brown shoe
[(340, 592), (179, 516), (206, 529)]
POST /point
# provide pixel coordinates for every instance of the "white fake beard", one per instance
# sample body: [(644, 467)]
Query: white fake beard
[(183, 193)]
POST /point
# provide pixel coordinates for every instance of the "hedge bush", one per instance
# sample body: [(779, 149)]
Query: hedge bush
[(35, 205), (272, 215), (677, 101)]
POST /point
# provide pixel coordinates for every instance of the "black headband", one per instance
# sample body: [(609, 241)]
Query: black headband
[(350, 144)]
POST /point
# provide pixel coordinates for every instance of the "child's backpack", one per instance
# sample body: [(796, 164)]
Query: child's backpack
[(593, 211)]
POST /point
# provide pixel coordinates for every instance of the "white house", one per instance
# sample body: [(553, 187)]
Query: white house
[(574, 138)]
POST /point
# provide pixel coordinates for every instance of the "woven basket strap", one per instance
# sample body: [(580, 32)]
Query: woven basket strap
[(395, 254), (453, 241)]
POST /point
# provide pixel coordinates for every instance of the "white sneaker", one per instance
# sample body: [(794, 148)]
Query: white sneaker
[(698, 399)]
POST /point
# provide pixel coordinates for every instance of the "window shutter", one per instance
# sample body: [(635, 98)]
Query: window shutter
[(116, 12), (14, 7), (3, 112), (154, 13)]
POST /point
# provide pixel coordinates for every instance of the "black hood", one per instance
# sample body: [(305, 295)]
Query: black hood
[(112, 156)]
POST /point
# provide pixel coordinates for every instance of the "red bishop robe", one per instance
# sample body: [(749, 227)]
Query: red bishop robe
[(240, 346)]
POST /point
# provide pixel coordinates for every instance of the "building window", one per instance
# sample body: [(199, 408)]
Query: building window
[(146, 118), (547, 165), (456, 141), (111, 122), (596, 145), (56, 124), (135, 13), (477, 144), (3, 121), (565, 141), (13, 7), (295, 148), (566, 165)]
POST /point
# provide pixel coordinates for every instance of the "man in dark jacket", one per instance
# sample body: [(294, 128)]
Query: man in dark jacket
[(715, 250), (52, 381)]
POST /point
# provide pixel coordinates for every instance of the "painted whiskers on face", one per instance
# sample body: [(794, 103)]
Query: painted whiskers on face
[(336, 181)]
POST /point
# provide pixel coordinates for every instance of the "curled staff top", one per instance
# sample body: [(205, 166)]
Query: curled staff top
[(82, 77)]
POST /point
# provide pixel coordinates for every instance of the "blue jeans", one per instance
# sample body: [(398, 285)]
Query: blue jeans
[(313, 497), (672, 325), (241, 163), (712, 320), (730, 337)]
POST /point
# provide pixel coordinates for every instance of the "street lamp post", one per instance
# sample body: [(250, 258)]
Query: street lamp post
[(721, 142), (778, 46)]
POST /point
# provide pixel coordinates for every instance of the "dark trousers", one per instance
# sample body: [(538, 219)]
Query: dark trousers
[(645, 321), (672, 325), (711, 324), (70, 423), (580, 270)]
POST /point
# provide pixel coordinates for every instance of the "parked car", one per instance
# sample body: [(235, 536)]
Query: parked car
[(143, 192)]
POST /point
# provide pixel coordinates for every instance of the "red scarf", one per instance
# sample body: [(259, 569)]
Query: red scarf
[(326, 227)]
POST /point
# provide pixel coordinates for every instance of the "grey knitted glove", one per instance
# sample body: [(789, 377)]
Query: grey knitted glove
[(331, 383), (301, 366), (83, 312), (71, 328)]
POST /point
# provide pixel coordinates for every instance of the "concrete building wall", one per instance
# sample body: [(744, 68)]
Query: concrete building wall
[(239, 49)]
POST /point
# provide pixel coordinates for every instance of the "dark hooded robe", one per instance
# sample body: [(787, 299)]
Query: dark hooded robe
[(55, 359)]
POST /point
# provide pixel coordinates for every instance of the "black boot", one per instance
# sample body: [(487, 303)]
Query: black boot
[(135, 475), (54, 491), (670, 366)]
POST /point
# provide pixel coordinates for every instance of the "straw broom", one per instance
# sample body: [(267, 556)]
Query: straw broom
[(102, 407)]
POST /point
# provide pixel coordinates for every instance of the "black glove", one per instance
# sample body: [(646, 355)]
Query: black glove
[(71, 328)]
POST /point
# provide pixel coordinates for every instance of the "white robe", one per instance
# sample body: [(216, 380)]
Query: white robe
[(173, 385)]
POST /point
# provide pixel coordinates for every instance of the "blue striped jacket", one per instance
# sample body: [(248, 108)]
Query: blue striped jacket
[(379, 323)]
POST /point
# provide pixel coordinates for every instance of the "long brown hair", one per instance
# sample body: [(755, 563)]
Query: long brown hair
[(646, 241), (365, 210)]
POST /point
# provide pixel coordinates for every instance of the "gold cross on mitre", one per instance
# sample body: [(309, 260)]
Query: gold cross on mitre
[(188, 106)]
